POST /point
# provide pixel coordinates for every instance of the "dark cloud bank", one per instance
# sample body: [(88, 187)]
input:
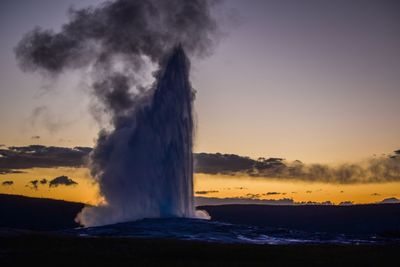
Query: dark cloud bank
[(374, 170), (15, 159), (119, 42), (377, 169)]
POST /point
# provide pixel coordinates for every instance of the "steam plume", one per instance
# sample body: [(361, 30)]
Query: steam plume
[(144, 164)]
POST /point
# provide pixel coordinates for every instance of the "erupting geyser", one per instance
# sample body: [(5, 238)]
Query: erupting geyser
[(145, 166), (143, 163)]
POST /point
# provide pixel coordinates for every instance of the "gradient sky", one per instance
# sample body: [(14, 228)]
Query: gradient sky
[(311, 80)]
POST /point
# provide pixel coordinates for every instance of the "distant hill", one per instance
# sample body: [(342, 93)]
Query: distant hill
[(37, 213), (353, 219), (42, 214)]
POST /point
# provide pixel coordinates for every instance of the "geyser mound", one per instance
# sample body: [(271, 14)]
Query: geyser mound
[(144, 167)]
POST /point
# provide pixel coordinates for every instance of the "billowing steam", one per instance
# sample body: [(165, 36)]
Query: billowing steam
[(144, 164)]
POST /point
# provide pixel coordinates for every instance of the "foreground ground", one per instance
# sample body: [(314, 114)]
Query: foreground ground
[(42, 214), (40, 249), (31, 248)]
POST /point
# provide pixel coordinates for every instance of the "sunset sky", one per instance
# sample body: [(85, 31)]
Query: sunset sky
[(312, 80)]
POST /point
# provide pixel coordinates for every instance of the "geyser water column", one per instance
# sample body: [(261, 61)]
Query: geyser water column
[(144, 167)]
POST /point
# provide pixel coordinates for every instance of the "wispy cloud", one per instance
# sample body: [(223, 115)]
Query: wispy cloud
[(274, 193), (7, 183), (206, 192)]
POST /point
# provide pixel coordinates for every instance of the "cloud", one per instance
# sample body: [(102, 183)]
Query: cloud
[(346, 203), (391, 200), (375, 170), (33, 184), (13, 159), (62, 180), (274, 193), (204, 201), (116, 42), (325, 203), (7, 183), (222, 163), (252, 196), (206, 192), (9, 171)]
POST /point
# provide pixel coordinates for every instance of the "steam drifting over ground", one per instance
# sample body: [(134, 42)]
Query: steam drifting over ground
[(144, 164)]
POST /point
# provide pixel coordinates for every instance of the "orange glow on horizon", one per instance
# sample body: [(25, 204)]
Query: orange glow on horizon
[(218, 186)]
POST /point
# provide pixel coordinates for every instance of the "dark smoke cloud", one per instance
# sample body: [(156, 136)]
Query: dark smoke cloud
[(62, 180), (7, 183), (117, 40)]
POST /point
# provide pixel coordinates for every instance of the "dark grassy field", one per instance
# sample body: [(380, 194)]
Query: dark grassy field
[(41, 214), (52, 250), (43, 248), (382, 219), (44, 214)]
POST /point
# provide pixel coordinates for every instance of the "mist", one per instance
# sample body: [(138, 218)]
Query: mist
[(143, 163)]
